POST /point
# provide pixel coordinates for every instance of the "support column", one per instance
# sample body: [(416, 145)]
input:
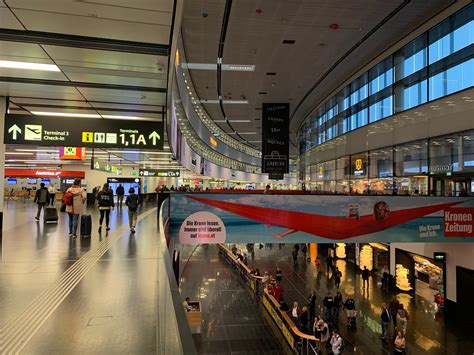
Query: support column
[(3, 111)]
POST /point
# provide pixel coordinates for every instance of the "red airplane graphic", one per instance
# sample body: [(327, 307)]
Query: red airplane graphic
[(330, 227)]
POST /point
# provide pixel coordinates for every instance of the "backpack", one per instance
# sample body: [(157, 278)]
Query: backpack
[(68, 198), (342, 346), (43, 194), (133, 202)]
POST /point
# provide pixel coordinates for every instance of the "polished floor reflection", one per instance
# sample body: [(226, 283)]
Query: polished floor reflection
[(233, 321), (426, 333), (77, 296)]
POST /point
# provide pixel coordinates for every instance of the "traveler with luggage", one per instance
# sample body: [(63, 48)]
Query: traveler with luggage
[(105, 199), (74, 200), (52, 194), (132, 201), (42, 199), (120, 192)]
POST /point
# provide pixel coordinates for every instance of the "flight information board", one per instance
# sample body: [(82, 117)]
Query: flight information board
[(82, 132)]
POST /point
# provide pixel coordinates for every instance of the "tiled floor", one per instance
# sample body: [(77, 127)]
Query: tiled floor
[(82, 296), (426, 334), (233, 321)]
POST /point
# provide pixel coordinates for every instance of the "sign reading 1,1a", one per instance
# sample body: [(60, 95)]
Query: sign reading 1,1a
[(82, 132)]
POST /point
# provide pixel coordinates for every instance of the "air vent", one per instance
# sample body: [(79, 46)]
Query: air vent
[(271, 73), (258, 108), (288, 41), (262, 93), (257, 119)]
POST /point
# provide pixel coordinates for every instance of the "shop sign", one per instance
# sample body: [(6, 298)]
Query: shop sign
[(78, 132), (275, 137), (159, 173), (441, 168), (43, 173), (202, 228), (459, 222), (358, 167)]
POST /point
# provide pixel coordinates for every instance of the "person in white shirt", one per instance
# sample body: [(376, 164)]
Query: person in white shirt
[(336, 343), (52, 194), (295, 312)]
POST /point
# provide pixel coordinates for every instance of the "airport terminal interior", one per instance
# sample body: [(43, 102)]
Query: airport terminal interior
[(237, 177)]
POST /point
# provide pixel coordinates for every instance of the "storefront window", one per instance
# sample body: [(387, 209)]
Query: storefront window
[(381, 171), (342, 175), (359, 173), (411, 168)]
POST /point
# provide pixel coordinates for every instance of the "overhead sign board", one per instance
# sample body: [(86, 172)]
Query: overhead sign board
[(159, 173), (72, 153), (82, 132), (275, 137), (106, 166), (43, 173)]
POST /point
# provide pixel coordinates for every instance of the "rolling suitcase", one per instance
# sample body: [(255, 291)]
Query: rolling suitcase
[(86, 225), (50, 215)]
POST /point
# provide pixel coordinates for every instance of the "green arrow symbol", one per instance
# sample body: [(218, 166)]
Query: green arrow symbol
[(154, 136)]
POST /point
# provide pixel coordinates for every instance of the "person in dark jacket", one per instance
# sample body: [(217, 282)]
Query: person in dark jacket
[(304, 320), (132, 201), (120, 192), (312, 305), (105, 199), (42, 199)]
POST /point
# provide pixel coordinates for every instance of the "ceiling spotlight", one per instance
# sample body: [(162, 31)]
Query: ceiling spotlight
[(205, 14)]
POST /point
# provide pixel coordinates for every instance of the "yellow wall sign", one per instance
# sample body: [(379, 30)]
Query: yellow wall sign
[(358, 164), (279, 322), (213, 141), (87, 137)]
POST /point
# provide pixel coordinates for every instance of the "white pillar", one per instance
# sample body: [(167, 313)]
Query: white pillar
[(3, 111)]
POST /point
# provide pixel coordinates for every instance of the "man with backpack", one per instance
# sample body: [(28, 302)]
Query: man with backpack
[(42, 199), (132, 202)]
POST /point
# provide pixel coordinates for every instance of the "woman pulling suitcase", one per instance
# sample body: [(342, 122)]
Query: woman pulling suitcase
[(105, 199)]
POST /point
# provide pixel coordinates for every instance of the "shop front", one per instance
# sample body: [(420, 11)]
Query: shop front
[(420, 274)]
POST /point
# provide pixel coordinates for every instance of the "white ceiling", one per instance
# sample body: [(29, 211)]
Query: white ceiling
[(256, 39), (141, 78)]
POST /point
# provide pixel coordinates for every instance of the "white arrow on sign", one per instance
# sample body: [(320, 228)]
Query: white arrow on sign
[(154, 136), (14, 130)]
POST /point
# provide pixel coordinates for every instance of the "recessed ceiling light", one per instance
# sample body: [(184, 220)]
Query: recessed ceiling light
[(262, 93), (271, 73), (29, 66), (288, 41)]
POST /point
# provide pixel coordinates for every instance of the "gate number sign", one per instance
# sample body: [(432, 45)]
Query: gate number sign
[(82, 132)]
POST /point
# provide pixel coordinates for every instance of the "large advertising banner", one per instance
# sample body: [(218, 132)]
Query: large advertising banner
[(328, 219), (275, 138)]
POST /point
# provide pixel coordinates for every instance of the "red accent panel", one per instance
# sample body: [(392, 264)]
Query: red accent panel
[(330, 227), (43, 173)]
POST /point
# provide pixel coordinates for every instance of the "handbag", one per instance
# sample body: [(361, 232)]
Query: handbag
[(62, 208)]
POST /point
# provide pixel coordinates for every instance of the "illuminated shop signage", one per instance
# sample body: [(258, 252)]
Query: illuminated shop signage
[(42, 173), (441, 168), (159, 173), (358, 167)]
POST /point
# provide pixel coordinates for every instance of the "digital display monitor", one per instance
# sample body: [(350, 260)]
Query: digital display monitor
[(11, 181), (46, 181), (31, 181)]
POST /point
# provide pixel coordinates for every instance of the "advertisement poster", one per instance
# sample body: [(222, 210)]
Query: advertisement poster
[(328, 219), (275, 138)]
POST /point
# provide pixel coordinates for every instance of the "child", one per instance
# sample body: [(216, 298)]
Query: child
[(132, 202)]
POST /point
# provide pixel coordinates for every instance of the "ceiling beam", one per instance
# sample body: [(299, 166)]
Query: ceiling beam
[(89, 108), (80, 84), (67, 40)]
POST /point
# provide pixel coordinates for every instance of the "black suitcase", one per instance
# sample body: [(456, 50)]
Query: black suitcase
[(86, 225), (50, 215)]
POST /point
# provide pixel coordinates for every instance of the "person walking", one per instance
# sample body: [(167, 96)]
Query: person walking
[(349, 306), (294, 254), (120, 192), (278, 274), (74, 199), (295, 312), (365, 277), (384, 321), (41, 199), (385, 274), (400, 344), (393, 307), (312, 305), (52, 194), (304, 319), (328, 304), (329, 263), (337, 278), (403, 318), (132, 201), (337, 344), (105, 199), (337, 305)]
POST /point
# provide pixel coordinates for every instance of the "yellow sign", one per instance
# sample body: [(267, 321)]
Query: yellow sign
[(358, 164), (87, 137), (279, 322), (213, 141)]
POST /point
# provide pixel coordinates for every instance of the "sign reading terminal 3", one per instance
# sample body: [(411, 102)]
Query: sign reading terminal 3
[(82, 132)]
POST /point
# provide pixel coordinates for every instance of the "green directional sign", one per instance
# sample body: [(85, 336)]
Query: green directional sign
[(106, 166), (82, 132)]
